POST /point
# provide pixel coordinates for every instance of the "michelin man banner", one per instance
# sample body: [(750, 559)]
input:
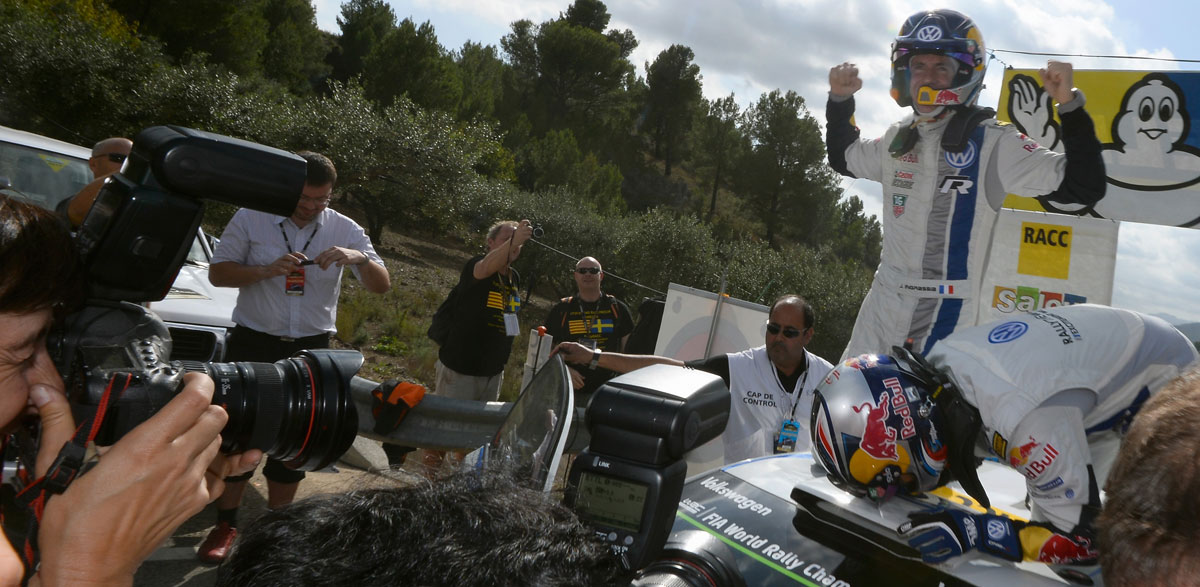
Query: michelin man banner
[(1041, 260), (1151, 148)]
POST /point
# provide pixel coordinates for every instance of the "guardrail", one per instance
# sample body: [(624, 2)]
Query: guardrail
[(445, 423)]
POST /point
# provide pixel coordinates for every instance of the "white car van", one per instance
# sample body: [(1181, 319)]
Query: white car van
[(46, 171)]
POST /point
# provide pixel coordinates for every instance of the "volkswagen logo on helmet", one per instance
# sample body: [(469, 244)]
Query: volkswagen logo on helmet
[(929, 33)]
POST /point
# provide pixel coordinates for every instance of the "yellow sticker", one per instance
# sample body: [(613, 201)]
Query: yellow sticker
[(1045, 250), (55, 163)]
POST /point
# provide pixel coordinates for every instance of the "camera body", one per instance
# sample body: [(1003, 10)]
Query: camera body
[(113, 354), (626, 484)]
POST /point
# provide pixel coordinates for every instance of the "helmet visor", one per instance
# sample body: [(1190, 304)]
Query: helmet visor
[(959, 53)]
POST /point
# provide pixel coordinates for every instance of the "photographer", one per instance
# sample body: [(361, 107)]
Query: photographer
[(143, 487)]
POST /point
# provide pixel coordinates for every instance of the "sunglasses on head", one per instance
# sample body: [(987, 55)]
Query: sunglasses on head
[(789, 332), (114, 157), (592, 270)]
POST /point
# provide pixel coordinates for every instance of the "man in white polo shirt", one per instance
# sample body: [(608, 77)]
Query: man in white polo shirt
[(288, 272)]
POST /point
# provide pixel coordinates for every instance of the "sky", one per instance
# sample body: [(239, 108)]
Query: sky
[(749, 47)]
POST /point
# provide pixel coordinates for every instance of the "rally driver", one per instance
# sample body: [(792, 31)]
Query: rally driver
[(1049, 394), (945, 171)]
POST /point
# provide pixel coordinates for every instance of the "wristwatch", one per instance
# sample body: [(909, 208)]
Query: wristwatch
[(595, 359)]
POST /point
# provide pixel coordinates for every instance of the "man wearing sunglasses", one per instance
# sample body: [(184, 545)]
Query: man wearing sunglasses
[(945, 169), (107, 158), (592, 318), (770, 386)]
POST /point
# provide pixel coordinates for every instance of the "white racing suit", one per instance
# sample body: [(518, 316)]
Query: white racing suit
[(940, 208), (1056, 390)]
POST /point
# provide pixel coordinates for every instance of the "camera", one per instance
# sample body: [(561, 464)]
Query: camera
[(538, 231), (627, 483), (113, 354)]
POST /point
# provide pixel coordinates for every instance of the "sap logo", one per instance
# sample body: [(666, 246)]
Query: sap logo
[(964, 158), (1027, 299), (1052, 237), (1036, 468), (958, 183)]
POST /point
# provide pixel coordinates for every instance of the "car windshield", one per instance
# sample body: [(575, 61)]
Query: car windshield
[(42, 177)]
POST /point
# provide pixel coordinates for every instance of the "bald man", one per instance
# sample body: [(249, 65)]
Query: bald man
[(107, 158), (593, 319)]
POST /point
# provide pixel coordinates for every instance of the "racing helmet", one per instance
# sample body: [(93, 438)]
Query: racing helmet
[(873, 427), (939, 32)]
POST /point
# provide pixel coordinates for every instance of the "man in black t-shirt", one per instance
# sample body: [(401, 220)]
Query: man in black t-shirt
[(471, 362), (593, 319)]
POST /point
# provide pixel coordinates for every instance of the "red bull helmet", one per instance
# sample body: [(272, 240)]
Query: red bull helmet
[(873, 428), (940, 32)]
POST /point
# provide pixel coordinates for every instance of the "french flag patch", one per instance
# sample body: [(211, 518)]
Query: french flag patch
[(946, 289)]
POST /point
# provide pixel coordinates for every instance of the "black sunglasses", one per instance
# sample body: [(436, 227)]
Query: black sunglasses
[(789, 332), (592, 270), (114, 157)]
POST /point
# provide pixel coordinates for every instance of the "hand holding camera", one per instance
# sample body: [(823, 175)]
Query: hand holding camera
[(160, 474)]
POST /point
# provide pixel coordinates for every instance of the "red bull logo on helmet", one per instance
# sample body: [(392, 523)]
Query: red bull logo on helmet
[(900, 407), (878, 439)]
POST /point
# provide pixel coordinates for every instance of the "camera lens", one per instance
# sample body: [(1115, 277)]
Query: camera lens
[(692, 559), (297, 410)]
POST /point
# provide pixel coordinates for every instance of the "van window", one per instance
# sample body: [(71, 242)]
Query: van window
[(44, 178)]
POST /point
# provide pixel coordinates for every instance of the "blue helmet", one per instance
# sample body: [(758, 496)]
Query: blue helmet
[(873, 431), (939, 32)]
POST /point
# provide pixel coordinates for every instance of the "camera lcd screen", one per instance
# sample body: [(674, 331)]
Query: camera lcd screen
[(610, 501)]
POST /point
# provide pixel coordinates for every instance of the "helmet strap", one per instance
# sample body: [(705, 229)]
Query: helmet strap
[(962, 124), (957, 421)]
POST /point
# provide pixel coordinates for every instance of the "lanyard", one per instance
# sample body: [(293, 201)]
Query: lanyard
[(587, 324), (288, 242), (799, 387)]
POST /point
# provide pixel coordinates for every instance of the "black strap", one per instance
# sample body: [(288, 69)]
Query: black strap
[(71, 462), (961, 125)]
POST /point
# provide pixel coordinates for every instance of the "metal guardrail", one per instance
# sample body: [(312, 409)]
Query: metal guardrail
[(445, 423)]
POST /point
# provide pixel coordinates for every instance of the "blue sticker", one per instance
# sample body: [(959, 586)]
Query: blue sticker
[(1007, 332)]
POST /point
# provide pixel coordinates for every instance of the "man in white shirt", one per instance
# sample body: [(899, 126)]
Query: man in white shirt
[(288, 272), (770, 386)]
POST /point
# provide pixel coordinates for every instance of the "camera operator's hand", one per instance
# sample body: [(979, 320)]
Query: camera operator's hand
[(523, 233), (282, 266), (573, 352), (157, 476), (341, 257)]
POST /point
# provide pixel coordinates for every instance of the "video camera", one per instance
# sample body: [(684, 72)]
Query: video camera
[(133, 242), (627, 483)]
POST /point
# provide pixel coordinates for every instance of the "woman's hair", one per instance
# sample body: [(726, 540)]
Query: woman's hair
[(39, 266)]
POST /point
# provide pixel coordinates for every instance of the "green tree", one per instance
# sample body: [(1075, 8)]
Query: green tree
[(673, 83), (785, 176), (482, 75), (857, 237), (567, 72), (232, 33), (719, 142), (410, 61), (296, 48), (364, 23)]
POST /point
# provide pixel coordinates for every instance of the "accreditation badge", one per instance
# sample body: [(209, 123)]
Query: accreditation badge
[(511, 326), (789, 431), (293, 285)]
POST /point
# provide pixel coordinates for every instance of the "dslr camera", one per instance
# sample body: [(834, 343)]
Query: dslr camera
[(113, 354), (626, 485)]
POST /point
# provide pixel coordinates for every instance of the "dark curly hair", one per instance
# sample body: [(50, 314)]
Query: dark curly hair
[(471, 528)]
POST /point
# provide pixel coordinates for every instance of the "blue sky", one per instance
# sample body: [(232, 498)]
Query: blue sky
[(753, 46)]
